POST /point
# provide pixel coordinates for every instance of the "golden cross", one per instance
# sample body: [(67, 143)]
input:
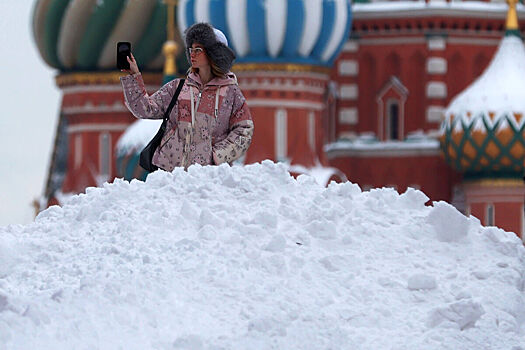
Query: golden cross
[(512, 15), (171, 4)]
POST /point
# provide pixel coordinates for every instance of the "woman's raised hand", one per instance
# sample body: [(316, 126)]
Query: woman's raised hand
[(133, 67)]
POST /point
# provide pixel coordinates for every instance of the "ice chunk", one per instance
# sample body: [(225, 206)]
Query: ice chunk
[(449, 224), (462, 314), (421, 281)]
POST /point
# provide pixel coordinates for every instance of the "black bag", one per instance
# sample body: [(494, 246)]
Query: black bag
[(146, 156)]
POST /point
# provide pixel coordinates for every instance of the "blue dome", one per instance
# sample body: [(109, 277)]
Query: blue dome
[(275, 31)]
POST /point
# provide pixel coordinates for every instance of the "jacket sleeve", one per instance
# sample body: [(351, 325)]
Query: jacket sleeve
[(240, 135), (140, 104)]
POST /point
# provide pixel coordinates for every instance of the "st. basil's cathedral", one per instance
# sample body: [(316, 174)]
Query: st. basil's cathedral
[(423, 94)]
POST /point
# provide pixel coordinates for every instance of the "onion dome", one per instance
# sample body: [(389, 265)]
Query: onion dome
[(129, 146), (483, 131), (73, 35), (275, 31)]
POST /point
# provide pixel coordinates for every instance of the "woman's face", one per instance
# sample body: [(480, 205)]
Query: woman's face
[(198, 56)]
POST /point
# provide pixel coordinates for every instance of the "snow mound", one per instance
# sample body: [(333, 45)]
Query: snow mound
[(250, 258)]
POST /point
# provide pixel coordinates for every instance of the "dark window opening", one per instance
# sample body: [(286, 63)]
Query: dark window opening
[(393, 121)]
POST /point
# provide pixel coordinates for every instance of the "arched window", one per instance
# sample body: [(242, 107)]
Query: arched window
[(393, 120)]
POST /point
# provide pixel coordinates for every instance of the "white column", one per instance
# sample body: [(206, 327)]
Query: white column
[(281, 139)]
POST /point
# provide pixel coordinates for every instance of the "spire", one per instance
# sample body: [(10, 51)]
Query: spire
[(512, 27), (170, 47)]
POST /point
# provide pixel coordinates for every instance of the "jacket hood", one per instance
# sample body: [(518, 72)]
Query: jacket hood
[(217, 51), (229, 79)]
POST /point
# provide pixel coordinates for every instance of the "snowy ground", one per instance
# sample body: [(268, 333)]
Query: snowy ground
[(249, 258)]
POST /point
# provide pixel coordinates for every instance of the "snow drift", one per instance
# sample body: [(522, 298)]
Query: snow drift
[(250, 258)]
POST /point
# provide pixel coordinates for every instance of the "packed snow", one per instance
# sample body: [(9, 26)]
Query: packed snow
[(223, 257)]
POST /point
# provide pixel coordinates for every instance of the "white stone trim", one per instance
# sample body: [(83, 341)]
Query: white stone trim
[(104, 169), (348, 116), (474, 41), (436, 89), (257, 74), (436, 43), (100, 127), (89, 108), (436, 65), (490, 215), (435, 114), (380, 153), (349, 92), (348, 68), (522, 224), (412, 9), (284, 103), (281, 139), (78, 151), (101, 88), (311, 130), (390, 41), (278, 86), (351, 45)]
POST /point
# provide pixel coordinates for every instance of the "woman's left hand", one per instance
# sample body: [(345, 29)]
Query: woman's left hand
[(133, 67)]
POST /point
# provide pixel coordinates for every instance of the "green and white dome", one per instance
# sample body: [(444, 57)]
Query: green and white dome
[(483, 134), (81, 35)]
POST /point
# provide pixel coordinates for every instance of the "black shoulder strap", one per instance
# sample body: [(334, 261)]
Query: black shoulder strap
[(174, 99)]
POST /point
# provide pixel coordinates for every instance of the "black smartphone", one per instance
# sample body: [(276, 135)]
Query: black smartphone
[(123, 51)]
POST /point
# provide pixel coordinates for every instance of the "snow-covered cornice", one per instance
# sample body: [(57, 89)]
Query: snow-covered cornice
[(401, 9)]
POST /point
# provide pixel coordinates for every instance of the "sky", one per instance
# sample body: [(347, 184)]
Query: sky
[(30, 103)]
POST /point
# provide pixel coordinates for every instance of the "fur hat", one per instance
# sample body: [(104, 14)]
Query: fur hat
[(214, 42)]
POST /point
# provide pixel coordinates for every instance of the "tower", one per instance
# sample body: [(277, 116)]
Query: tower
[(483, 135), (79, 38)]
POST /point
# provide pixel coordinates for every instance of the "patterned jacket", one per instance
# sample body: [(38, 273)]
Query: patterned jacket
[(209, 124)]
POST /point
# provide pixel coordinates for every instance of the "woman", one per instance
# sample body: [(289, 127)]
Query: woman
[(211, 122)]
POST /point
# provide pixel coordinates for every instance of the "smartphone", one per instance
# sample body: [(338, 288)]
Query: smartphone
[(123, 51)]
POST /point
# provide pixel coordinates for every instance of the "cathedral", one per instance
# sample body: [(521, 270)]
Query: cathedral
[(422, 94)]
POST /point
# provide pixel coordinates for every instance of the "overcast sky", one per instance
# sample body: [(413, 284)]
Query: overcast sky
[(29, 101)]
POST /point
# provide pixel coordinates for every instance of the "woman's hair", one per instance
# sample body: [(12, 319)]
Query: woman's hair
[(216, 71)]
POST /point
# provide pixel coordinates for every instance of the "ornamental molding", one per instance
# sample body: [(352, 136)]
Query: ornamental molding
[(100, 127), (101, 78), (373, 11), (383, 152), (276, 103), (75, 89), (280, 67)]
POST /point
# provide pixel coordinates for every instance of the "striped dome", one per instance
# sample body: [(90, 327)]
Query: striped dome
[(82, 34), (287, 31)]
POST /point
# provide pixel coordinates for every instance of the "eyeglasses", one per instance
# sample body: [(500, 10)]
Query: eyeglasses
[(197, 51)]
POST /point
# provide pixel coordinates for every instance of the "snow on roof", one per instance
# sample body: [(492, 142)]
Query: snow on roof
[(391, 6), (321, 174), (138, 135), (367, 142), (223, 257), (501, 87)]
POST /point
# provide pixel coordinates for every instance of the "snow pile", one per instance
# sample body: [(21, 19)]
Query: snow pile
[(250, 258)]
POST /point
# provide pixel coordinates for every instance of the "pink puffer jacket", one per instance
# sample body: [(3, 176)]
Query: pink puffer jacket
[(209, 124)]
